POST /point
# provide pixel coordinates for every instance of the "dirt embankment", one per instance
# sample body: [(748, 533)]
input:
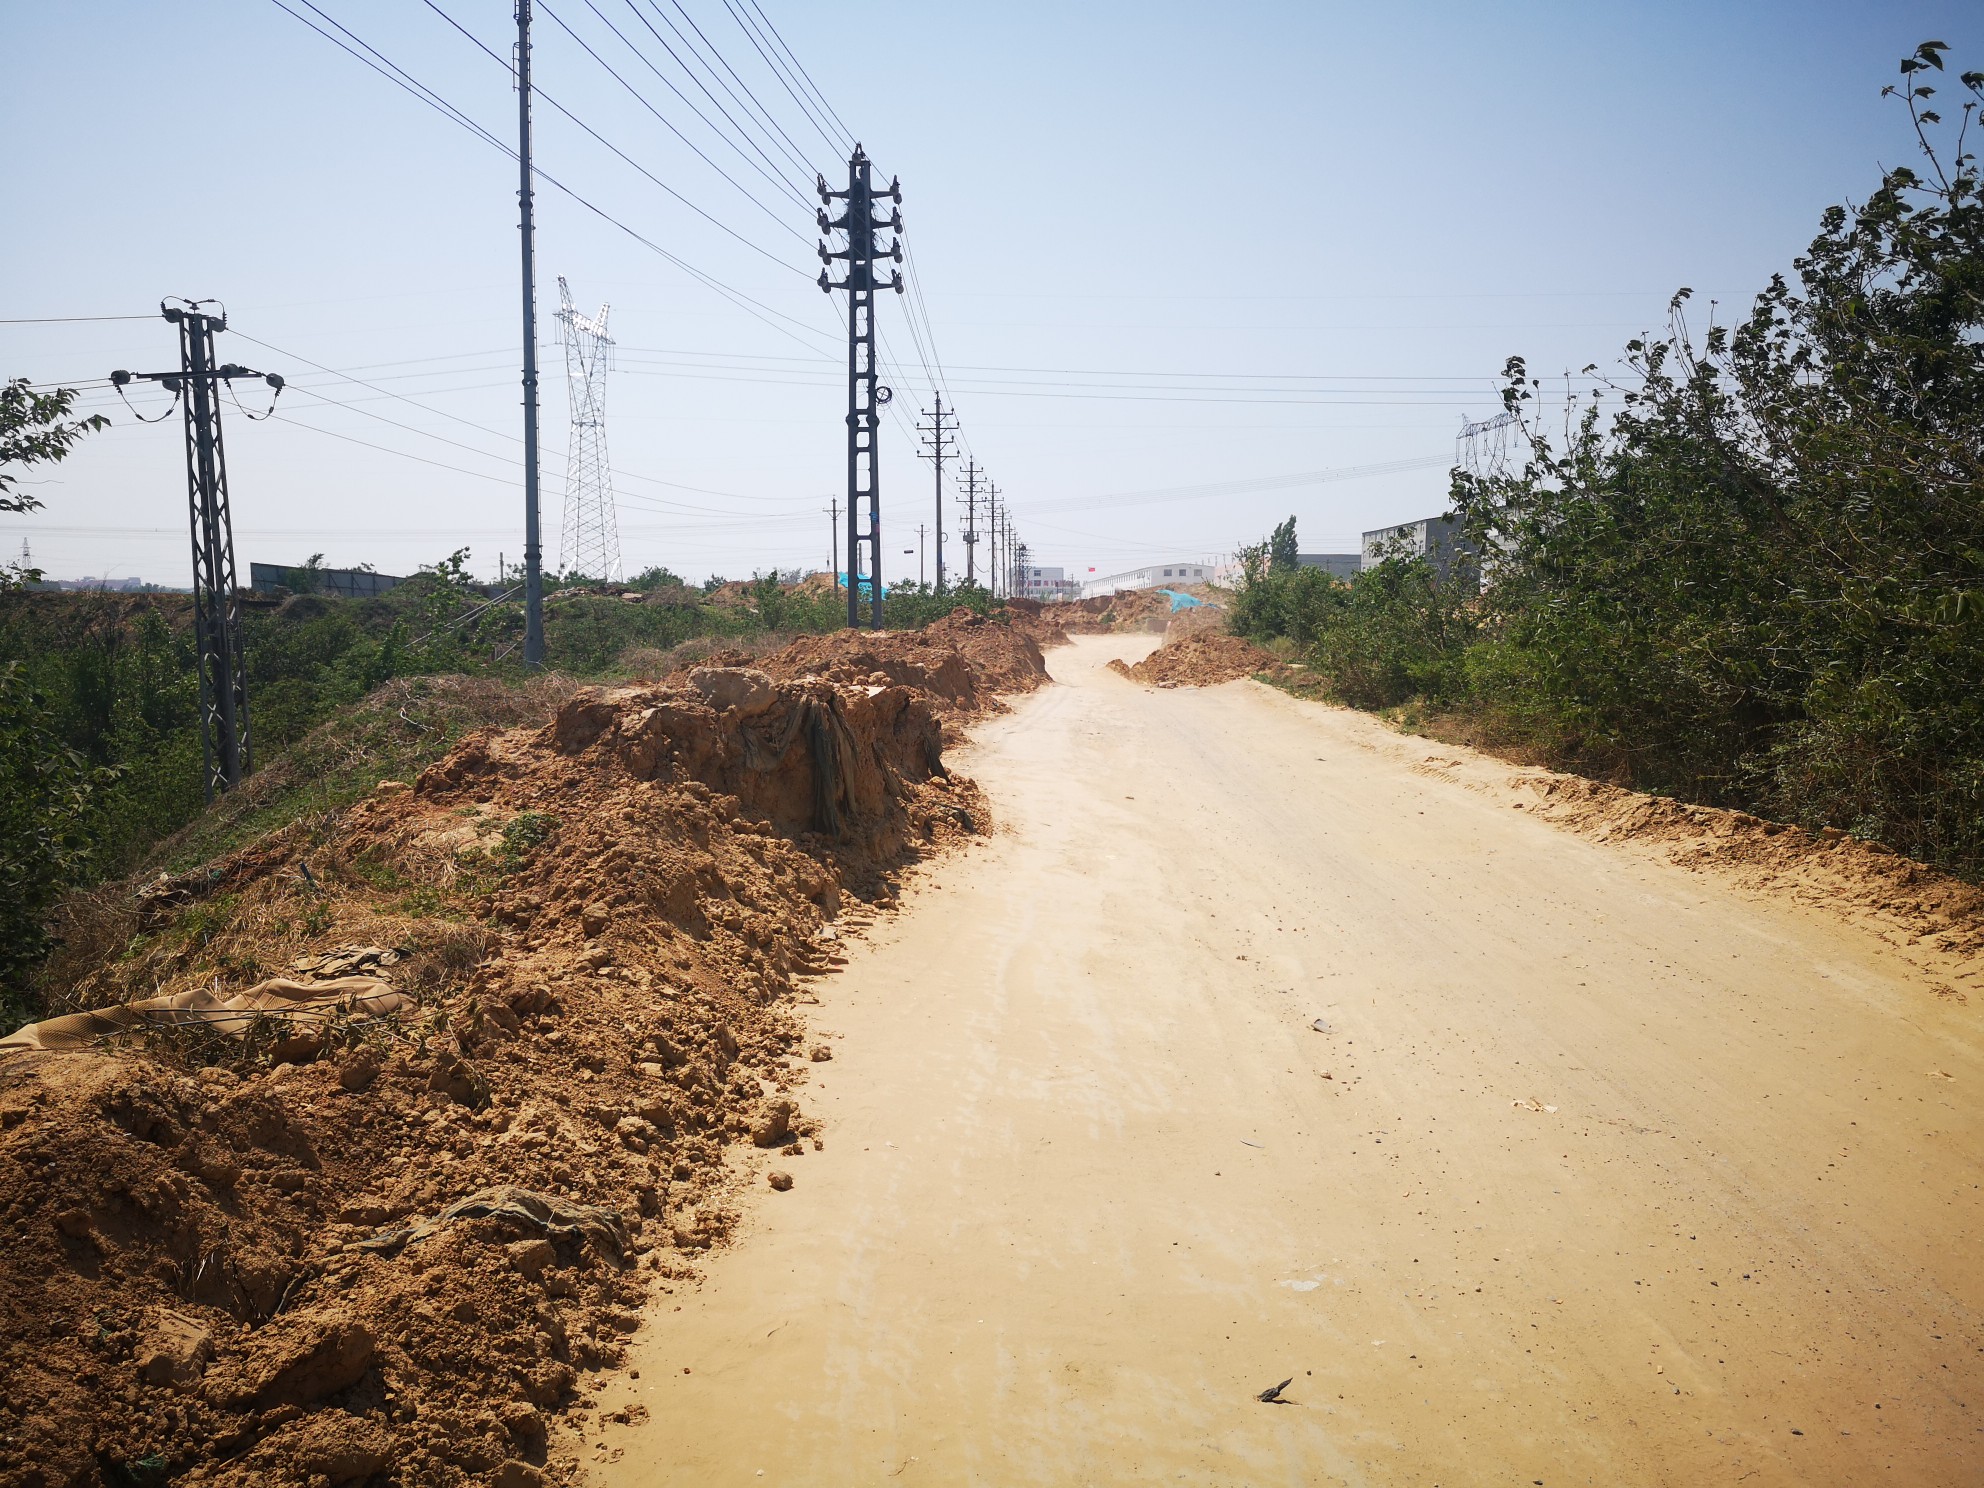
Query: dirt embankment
[(1934, 919), (1199, 657), (399, 1246), (960, 664), (1139, 610)]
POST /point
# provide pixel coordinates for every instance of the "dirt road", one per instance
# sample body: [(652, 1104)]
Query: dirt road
[(1602, 1172)]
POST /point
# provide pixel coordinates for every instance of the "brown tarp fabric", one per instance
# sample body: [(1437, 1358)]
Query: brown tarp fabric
[(302, 1005)]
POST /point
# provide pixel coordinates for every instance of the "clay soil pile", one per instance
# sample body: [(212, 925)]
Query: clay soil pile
[(959, 665), (397, 1240), (1137, 610), (1200, 658)]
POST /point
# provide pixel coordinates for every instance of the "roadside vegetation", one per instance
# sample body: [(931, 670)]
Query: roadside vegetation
[(1750, 571), (100, 754)]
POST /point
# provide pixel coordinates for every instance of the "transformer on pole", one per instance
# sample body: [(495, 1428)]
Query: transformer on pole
[(225, 739), (590, 538), (866, 395)]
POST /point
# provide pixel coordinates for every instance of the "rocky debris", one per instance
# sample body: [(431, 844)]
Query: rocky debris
[(1200, 658), (604, 926), (779, 1181), (176, 1350)]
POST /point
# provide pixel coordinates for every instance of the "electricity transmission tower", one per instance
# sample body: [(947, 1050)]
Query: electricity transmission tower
[(1483, 447), (224, 736), (938, 447), (866, 396), (590, 543)]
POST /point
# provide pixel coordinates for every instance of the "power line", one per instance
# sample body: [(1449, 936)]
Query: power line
[(777, 180), (794, 153), (615, 149), (642, 99), (717, 103), (70, 319), (753, 307), (395, 74), (751, 35), (1242, 487), (847, 135)]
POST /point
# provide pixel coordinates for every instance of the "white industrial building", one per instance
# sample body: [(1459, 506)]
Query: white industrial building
[(1151, 576)]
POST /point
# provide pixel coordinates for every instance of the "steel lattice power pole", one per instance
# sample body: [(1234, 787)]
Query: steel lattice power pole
[(533, 544), (590, 537), (971, 473), (938, 447), (866, 397), (226, 741)]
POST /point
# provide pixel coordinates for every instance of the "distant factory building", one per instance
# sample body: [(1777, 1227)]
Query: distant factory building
[(1048, 584), (1336, 565), (350, 583), (1154, 576), (1439, 540)]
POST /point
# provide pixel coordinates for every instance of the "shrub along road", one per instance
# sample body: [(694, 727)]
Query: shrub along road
[(1597, 1170)]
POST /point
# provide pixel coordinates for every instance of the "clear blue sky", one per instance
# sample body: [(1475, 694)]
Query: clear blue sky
[(1162, 245)]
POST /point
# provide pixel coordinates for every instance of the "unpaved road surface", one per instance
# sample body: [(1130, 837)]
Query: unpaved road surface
[(1604, 1172)]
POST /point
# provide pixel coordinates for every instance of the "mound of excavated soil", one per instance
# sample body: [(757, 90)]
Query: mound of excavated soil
[(397, 1255), (1108, 614), (960, 665), (1199, 658)]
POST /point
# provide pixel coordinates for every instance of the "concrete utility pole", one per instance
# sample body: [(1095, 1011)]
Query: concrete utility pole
[(937, 450), (833, 541), (992, 522), (971, 474), (533, 545), (225, 741), (920, 530), (866, 397)]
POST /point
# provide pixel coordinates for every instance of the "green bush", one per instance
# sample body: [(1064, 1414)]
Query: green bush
[(1756, 578)]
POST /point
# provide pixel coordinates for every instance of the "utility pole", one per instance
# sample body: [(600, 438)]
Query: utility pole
[(833, 541), (866, 397), (1019, 564), (992, 522), (971, 473), (224, 736), (533, 546), (919, 555), (937, 450)]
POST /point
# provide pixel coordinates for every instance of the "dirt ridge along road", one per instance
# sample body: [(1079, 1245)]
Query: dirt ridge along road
[(1596, 1170)]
